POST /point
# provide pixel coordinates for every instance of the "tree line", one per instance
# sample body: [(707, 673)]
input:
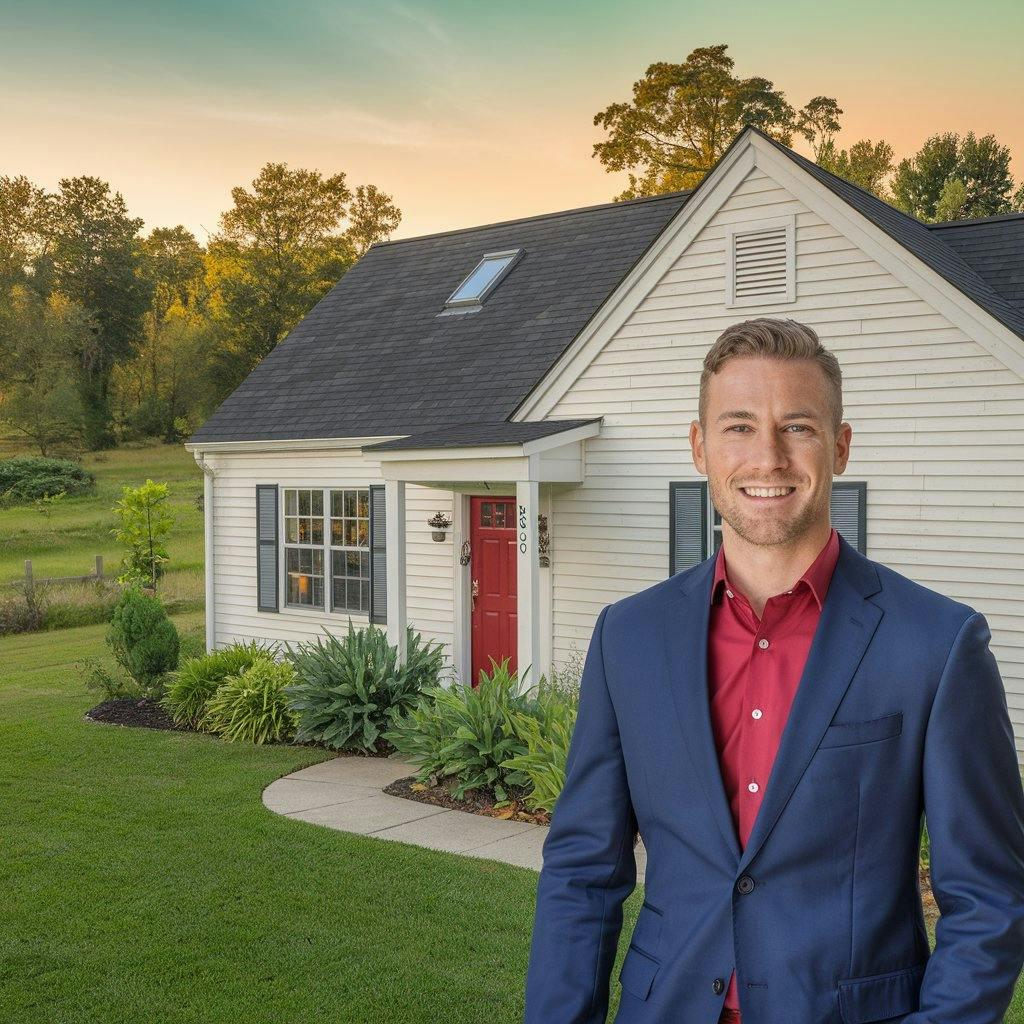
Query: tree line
[(682, 118), (107, 333)]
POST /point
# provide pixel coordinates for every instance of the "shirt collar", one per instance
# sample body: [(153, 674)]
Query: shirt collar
[(817, 576)]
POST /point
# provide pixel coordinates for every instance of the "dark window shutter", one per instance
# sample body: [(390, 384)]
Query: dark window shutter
[(688, 524), (266, 547), (378, 557), (848, 512)]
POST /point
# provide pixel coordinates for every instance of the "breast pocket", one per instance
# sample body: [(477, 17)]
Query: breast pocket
[(845, 734)]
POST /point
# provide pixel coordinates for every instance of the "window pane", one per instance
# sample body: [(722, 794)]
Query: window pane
[(305, 577), (336, 502), (350, 533), (336, 532), (291, 503), (363, 533), (318, 502), (480, 278), (316, 531), (304, 503), (363, 507), (350, 503)]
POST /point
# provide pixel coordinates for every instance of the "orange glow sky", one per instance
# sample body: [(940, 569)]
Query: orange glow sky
[(466, 114)]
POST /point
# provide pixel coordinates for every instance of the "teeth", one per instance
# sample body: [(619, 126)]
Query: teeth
[(766, 492)]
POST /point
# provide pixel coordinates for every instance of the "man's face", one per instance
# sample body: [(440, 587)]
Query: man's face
[(768, 425)]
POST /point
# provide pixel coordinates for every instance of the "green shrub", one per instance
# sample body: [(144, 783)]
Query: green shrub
[(198, 678), (253, 706), (546, 732), (143, 639), (468, 732), (347, 691), (27, 477)]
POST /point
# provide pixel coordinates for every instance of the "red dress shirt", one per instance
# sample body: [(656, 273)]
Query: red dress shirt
[(754, 667)]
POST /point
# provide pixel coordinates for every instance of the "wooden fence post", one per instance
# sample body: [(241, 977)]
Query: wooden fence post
[(99, 567)]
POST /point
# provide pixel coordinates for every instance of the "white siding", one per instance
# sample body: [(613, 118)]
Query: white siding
[(429, 580), (938, 431)]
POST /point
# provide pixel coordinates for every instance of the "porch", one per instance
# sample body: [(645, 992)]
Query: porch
[(502, 574)]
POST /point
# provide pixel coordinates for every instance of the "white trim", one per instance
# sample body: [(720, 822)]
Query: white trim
[(208, 550), (291, 444), (734, 231), (751, 151)]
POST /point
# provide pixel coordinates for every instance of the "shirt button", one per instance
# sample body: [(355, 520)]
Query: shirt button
[(753, 787), (756, 713), (762, 643), (718, 984), (729, 592)]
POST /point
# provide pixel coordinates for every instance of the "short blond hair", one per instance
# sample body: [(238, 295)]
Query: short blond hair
[(773, 339)]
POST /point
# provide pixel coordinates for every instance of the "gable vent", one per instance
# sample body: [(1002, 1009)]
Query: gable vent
[(760, 264)]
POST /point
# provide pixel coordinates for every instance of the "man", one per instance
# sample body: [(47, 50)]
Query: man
[(774, 721)]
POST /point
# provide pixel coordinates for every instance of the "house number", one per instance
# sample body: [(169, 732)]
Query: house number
[(522, 529)]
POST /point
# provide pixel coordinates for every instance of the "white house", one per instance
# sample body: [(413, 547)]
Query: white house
[(534, 380)]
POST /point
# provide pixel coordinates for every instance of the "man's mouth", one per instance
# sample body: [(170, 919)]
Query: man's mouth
[(767, 494)]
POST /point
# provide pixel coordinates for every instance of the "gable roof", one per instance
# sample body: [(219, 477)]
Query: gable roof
[(374, 358), (927, 244)]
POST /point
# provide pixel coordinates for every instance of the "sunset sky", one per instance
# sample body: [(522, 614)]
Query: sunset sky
[(466, 113)]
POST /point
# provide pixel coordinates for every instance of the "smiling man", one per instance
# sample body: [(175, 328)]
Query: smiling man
[(774, 722)]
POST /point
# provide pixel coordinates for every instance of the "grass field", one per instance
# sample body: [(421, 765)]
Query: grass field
[(66, 542)]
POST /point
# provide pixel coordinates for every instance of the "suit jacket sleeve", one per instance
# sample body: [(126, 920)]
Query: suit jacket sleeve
[(589, 865), (974, 806)]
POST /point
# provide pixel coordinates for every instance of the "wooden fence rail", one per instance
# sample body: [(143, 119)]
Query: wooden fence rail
[(30, 579)]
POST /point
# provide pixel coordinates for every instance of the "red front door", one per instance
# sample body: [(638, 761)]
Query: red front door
[(492, 539)]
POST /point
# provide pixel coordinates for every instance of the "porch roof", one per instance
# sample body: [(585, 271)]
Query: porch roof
[(473, 435)]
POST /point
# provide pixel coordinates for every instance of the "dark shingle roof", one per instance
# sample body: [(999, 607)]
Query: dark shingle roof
[(485, 432), (994, 247), (373, 357), (926, 244)]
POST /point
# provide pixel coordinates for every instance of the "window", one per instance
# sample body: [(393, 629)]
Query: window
[(493, 266), (350, 549), (760, 264), (326, 527)]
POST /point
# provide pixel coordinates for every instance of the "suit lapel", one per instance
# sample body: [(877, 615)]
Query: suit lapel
[(847, 624)]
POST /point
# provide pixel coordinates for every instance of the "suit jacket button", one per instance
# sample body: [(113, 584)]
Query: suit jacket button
[(745, 884), (718, 986)]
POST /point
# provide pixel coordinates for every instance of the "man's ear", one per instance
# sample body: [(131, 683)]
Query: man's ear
[(841, 453), (697, 446)]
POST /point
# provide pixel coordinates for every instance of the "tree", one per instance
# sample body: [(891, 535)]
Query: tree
[(280, 249), (981, 165), (39, 340), (866, 164), (683, 116), (372, 215), (152, 388), (25, 215), (97, 261), (146, 520), (818, 123)]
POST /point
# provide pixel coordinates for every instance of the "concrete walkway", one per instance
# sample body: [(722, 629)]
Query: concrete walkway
[(345, 794)]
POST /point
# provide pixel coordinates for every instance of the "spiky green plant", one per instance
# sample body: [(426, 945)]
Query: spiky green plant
[(253, 706)]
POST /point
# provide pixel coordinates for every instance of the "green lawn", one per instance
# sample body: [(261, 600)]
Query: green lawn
[(144, 880), (66, 542)]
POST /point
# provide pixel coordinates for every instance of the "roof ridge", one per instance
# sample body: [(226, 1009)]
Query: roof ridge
[(537, 216), (963, 222)]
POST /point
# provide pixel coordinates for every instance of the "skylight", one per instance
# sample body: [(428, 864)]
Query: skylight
[(484, 276)]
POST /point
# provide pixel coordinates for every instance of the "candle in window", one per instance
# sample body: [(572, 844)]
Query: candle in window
[(303, 586)]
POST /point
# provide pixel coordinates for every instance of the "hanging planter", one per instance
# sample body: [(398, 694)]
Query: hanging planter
[(439, 523)]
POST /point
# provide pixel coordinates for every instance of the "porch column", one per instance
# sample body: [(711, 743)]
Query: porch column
[(527, 583), (394, 529)]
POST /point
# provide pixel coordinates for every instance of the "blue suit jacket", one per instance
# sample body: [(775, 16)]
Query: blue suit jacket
[(900, 710)]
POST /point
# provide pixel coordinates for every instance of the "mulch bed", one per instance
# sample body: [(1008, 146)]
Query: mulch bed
[(477, 801), (137, 711)]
